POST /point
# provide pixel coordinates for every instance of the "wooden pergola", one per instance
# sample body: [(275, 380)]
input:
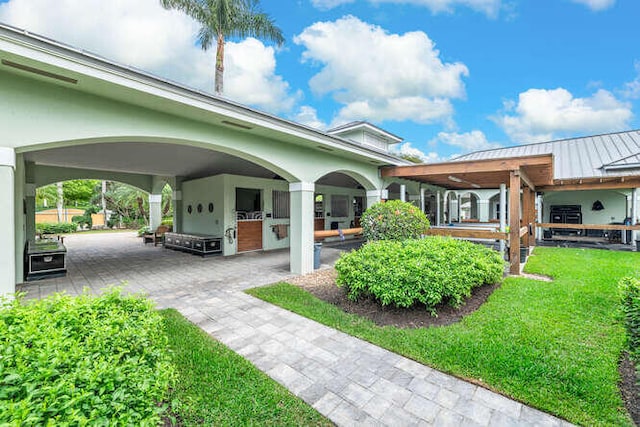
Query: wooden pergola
[(529, 173)]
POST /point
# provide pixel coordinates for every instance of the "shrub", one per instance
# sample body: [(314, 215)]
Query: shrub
[(393, 220), (56, 228), (427, 271), (630, 296), (85, 360)]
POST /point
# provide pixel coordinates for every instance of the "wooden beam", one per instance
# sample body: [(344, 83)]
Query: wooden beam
[(323, 234), (466, 233), (524, 178), (531, 217), (588, 226), (600, 184), (470, 166), (514, 223)]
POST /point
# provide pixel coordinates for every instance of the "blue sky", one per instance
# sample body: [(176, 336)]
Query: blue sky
[(448, 76)]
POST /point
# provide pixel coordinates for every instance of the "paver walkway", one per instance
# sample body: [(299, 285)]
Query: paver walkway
[(346, 379)]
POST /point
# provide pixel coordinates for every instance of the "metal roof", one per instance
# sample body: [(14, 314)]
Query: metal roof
[(613, 154)]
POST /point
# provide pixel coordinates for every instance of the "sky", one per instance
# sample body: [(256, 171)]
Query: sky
[(447, 76)]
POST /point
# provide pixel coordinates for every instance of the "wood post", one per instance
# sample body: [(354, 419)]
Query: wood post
[(531, 217), (514, 223), (526, 214)]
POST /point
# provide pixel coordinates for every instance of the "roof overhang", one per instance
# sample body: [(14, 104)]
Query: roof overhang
[(534, 171)]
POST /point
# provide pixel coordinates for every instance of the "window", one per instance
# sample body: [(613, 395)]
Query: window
[(280, 201), (339, 206)]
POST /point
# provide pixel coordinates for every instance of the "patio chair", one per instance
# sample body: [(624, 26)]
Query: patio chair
[(158, 235)]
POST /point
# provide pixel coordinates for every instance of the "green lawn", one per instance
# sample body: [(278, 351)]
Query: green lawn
[(553, 345), (215, 386)]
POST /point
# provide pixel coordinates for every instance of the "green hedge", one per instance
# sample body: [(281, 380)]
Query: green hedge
[(85, 360), (393, 220), (426, 271), (630, 293), (56, 228)]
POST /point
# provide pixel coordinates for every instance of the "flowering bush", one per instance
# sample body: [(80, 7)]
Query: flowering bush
[(428, 271), (393, 220)]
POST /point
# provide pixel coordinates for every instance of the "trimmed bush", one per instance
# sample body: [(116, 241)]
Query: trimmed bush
[(393, 220), (630, 293), (82, 361), (56, 228), (427, 271)]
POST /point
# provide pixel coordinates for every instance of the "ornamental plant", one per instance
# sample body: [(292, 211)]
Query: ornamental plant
[(393, 220), (82, 361), (630, 299), (427, 271)]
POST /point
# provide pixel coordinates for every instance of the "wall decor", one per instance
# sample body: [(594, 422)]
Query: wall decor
[(189, 209), (199, 207), (210, 207)]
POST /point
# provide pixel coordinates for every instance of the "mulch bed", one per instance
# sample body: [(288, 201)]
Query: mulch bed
[(322, 284)]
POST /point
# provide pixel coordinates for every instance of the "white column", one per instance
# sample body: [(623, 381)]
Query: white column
[(634, 213), (155, 210), (483, 210), (539, 218), (9, 246), (176, 199), (403, 191), (438, 209), (301, 227), (459, 208), (422, 199), (503, 213), (375, 196), (626, 214)]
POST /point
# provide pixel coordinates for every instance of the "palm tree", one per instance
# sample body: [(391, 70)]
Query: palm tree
[(226, 18)]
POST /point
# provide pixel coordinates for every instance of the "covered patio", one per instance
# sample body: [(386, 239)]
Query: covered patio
[(530, 177), (100, 260)]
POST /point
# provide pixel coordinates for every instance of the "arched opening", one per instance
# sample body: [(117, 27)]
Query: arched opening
[(469, 207), (494, 207), (339, 201)]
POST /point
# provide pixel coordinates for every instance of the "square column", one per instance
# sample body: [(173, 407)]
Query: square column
[(10, 246), (483, 210), (514, 223), (301, 226), (155, 210), (375, 196)]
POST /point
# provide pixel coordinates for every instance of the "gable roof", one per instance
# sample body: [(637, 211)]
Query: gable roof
[(388, 136), (612, 154)]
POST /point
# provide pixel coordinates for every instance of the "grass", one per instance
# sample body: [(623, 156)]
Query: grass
[(215, 386), (552, 345)]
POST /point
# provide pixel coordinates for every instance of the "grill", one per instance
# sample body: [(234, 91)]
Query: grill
[(566, 214)]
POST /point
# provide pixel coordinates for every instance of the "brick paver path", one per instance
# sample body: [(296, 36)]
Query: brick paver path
[(346, 379)]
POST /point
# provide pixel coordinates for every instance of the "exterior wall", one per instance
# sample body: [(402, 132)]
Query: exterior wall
[(614, 202), (221, 191)]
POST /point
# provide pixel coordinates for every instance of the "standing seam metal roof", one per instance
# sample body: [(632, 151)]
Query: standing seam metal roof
[(583, 157)]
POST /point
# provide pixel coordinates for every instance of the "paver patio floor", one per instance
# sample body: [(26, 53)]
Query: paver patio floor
[(348, 380)]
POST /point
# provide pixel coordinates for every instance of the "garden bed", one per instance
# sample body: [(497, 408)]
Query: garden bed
[(322, 284)]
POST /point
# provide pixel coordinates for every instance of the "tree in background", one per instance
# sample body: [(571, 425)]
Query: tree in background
[(220, 19)]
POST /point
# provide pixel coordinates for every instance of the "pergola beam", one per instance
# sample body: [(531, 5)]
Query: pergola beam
[(525, 178)]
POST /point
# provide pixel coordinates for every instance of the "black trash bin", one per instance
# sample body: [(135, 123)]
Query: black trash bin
[(316, 255)]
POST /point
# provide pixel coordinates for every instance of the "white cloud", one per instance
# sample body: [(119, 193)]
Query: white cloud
[(407, 149), (250, 76), (542, 115), (488, 7), (381, 76), (308, 116), (475, 140), (631, 89), (143, 34), (329, 4), (596, 5)]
